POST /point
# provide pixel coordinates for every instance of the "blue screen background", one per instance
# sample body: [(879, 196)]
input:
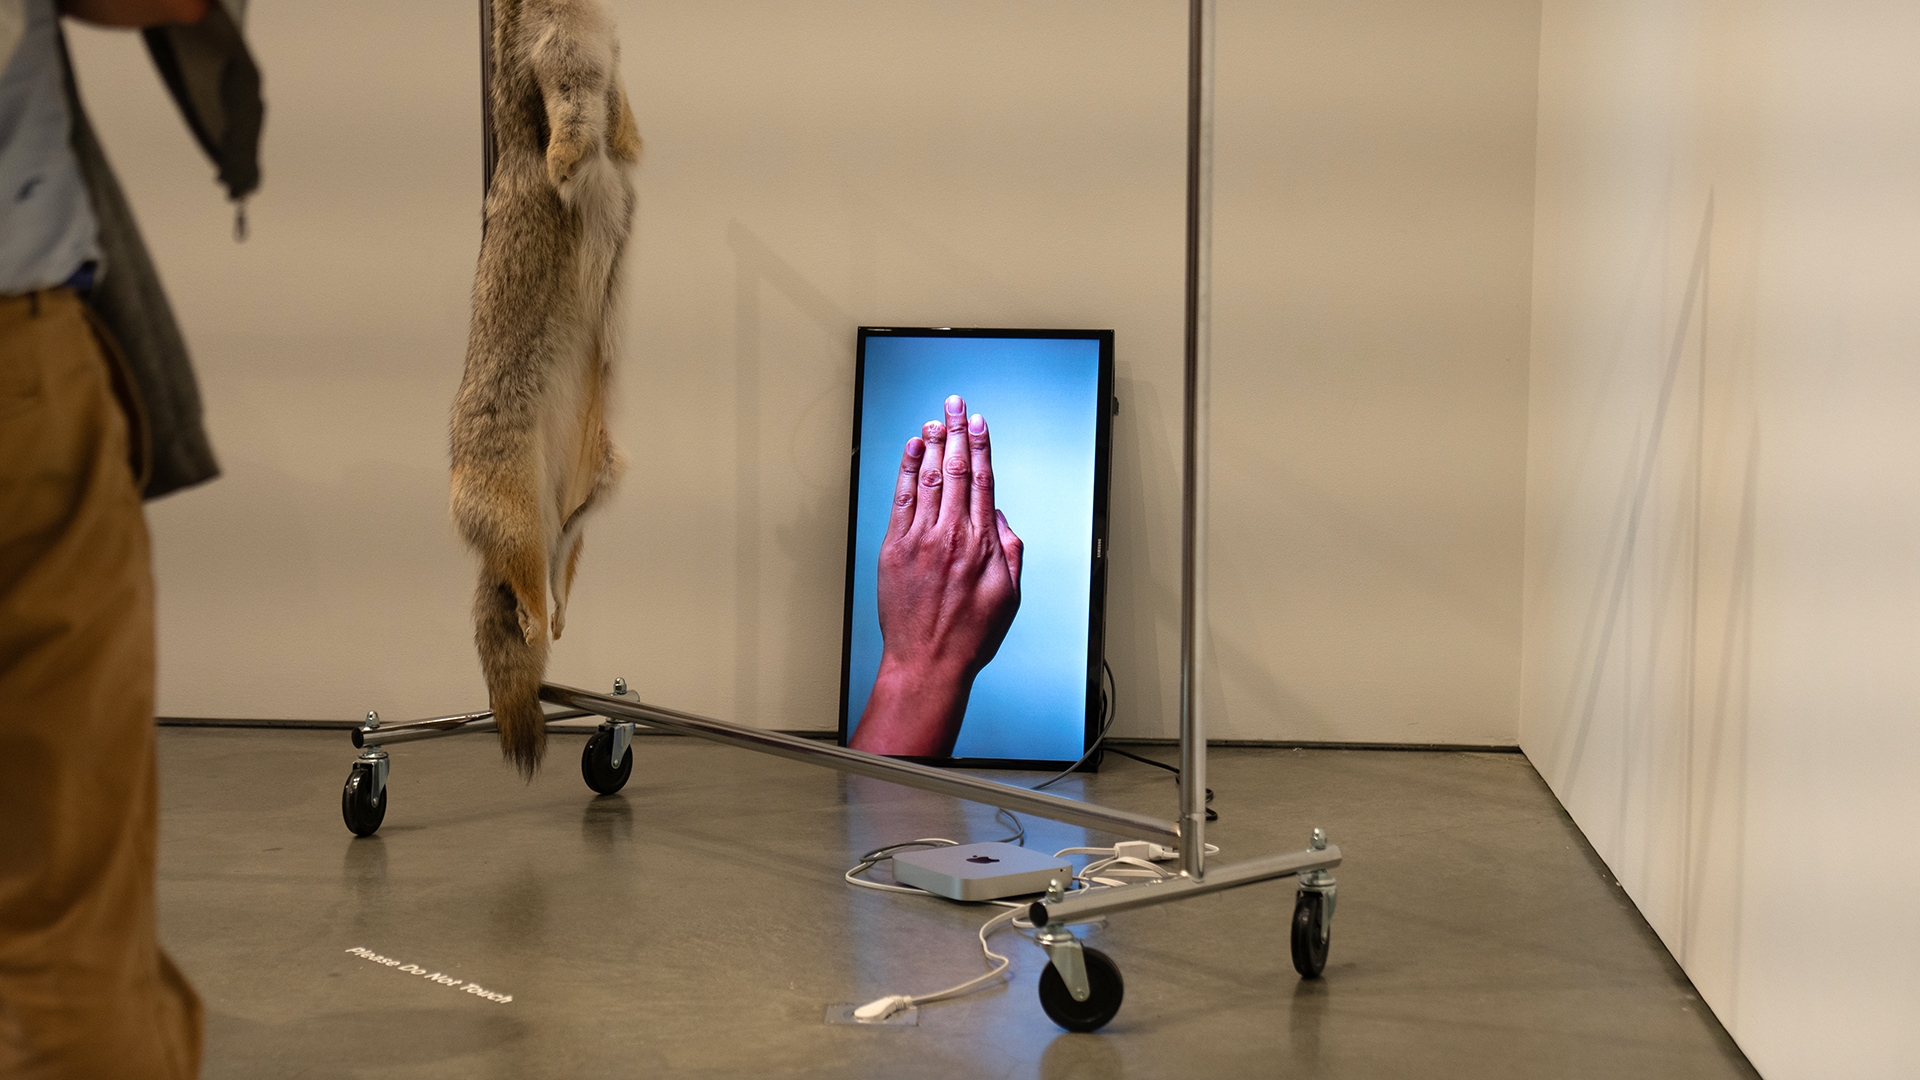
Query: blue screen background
[(1041, 399)]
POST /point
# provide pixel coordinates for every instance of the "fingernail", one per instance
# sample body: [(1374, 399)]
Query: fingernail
[(932, 429), (955, 406), (916, 447), (977, 424)]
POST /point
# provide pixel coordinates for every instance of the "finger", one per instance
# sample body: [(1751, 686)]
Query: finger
[(1015, 548), (954, 495), (905, 488), (926, 503), (978, 441)]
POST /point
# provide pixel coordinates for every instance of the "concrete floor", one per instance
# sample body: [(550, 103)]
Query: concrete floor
[(696, 924)]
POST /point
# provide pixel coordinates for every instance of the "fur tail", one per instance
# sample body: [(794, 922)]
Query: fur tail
[(513, 659)]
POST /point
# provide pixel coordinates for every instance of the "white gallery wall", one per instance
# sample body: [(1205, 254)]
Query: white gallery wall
[(1722, 657), (810, 167), (1372, 245)]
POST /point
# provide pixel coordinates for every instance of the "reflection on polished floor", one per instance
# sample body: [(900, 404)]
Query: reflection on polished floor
[(696, 924)]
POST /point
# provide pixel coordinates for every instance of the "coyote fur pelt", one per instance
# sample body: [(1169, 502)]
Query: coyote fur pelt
[(531, 455)]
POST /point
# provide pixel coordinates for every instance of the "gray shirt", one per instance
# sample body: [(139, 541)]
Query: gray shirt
[(47, 227)]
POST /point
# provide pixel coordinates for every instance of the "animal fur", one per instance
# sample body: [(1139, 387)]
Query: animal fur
[(531, 455)]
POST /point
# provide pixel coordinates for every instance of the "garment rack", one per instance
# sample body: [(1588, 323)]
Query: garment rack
[(1069, 993)]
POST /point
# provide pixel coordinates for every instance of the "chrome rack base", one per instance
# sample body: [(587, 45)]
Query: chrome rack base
[(1093, 903), (373, 732), (860, 763)]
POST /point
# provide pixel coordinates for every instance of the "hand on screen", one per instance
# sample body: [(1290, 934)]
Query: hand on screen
[(948, 587)]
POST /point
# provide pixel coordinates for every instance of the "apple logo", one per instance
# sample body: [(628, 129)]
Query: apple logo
[(982, 859)]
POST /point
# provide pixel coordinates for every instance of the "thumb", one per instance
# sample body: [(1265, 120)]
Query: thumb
[(1012, 545)]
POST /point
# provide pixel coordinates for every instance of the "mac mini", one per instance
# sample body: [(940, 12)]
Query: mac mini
[(980, 871)]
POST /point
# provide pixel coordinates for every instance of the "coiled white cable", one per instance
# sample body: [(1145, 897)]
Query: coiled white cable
[(1115, 869)]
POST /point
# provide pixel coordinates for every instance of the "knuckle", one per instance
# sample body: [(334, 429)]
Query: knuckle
[(957, 467), (930, 478), (983, 479), (905, 498)]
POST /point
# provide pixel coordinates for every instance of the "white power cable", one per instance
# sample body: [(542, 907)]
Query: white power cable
[(883, 854), (1117, 868), (881, 1008)]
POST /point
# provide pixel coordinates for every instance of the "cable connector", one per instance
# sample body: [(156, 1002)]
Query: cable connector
[(1146, 850), (881, 1008)]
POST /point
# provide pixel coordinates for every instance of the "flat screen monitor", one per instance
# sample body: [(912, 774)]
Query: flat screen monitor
[(1046, 401)]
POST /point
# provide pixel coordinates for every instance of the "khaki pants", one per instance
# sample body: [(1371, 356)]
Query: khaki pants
[(84, 989)]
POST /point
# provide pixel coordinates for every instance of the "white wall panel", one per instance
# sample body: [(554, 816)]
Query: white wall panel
[(1723, 521), (1372, 249)]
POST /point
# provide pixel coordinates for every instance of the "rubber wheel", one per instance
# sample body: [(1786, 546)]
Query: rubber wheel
[(1105, 987), (1310, 939), (362, 809), (596, 764)]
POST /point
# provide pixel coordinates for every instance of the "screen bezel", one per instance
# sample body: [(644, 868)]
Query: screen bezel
[(1097, 546)]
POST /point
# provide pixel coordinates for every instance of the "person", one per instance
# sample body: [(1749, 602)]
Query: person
[(97, 410), (948, 589)]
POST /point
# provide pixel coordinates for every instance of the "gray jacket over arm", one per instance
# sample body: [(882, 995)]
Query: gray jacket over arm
[(213, 79)]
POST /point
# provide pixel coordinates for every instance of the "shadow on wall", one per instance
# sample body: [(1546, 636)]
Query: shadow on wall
[(966, 284), (1139, 444), (1646, 744), (811, 526)]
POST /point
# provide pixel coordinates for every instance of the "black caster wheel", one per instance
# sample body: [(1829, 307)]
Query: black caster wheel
[(362, 809), (1105, 986), (596, 764), (1309, 934)]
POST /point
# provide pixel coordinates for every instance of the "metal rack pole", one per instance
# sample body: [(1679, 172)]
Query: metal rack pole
[(910, 774), (372, 734), (489, 150), (1193, 492)]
